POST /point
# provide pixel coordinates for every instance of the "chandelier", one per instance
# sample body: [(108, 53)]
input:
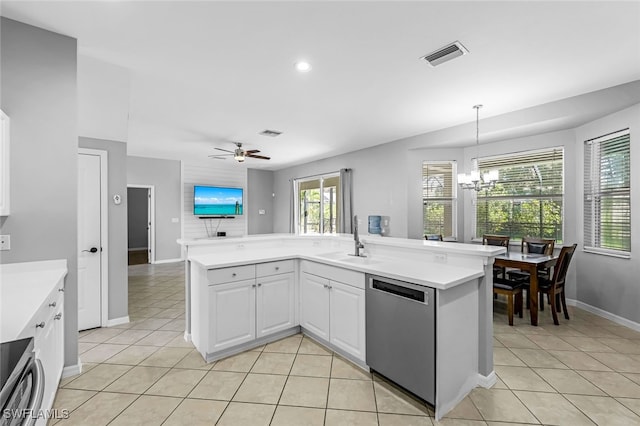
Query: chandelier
[(475, 180)]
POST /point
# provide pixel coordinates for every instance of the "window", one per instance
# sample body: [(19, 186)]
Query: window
[(607, 194), (439, 198), (528, 198), (317, 204)]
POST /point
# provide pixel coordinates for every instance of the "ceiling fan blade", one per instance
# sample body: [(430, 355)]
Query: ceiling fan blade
[(216, 157), (261, 157), (225, 150), (252, 151)]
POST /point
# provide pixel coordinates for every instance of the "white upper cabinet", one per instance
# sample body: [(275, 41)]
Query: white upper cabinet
[(4, 164)]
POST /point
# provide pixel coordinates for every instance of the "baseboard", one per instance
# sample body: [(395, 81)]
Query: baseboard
[(604, 314), (487, 381), (117, 321), (72, 370), (187, 337), (168, 261)]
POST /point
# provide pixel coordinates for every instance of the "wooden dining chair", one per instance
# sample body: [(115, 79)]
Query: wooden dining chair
[(497, 240), (433, 237), (512, 289), (533, 245), (554, 287)]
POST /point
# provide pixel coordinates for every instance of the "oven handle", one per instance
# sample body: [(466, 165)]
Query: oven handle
[(35, 402)]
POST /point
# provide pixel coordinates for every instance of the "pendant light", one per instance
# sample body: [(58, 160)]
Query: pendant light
[(475, 180)]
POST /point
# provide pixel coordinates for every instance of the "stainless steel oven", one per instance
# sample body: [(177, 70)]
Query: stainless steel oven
[(22, 383)]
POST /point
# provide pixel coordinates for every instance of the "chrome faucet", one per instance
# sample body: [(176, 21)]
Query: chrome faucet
[(356, 238)]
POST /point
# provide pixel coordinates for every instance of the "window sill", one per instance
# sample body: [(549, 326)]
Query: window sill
[(607, 253)]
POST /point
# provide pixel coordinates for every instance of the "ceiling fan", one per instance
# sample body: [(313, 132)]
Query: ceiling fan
[(239, 154)]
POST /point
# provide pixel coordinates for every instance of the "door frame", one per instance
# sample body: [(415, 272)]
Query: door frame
[(104, 231), (151, 219)]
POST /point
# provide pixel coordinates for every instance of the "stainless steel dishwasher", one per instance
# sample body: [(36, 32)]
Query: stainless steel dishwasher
[(401, 326)]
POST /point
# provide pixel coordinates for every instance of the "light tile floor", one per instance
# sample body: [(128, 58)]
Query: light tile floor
[(584, 372)]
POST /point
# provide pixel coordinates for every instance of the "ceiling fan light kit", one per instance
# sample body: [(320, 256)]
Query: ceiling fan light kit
[(239, 154)]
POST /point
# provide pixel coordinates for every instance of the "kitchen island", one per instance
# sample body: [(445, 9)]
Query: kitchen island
[(245, 292)]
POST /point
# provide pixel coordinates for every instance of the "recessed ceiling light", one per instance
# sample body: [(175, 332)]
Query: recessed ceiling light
[(303, 66)]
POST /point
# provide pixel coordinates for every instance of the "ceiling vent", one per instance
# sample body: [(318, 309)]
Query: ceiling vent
[(445, 54), (270, 133)]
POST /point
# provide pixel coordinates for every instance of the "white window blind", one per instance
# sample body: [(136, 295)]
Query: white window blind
[(607, 194), (527, 199), (439, 197)]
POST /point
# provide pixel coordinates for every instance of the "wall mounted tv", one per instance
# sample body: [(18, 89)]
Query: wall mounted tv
[(217, 201)]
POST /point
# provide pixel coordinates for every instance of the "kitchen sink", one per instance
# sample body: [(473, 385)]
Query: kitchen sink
[(343, 257)]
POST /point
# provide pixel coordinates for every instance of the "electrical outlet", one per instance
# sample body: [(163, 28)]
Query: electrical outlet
[(440, 257), (5, 242)]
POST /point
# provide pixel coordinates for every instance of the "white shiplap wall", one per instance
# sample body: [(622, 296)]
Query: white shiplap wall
[(216, 174)]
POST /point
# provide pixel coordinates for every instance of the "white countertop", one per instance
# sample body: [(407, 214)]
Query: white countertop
[(430, 274), (23, 289)]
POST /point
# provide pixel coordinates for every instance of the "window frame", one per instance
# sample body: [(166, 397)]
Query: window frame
[(321, 178), (592, 235), (489, 163), (453, 199)]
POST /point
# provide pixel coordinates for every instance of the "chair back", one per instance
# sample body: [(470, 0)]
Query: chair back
[(562, 266), (496, 240), (433, 237), (538, 245)]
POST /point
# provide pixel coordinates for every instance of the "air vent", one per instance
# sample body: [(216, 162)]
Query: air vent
[(445, 54), (270, 133)]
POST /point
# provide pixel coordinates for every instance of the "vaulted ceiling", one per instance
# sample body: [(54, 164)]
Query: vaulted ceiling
[(200, 75)]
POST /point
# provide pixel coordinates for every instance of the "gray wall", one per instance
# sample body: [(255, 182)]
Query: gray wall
[(38, 86), (117, 184), (259, 197), (379, 185), (138, 203), (606, 282), (165, 176)]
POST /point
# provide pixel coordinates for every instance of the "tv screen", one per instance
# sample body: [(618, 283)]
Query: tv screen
[(217, 201)]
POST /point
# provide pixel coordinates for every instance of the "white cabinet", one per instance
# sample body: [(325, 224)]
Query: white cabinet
[(248, 302), (314, 301), (233, 314), (347, 318), (334, 310), (47, 330), (275, 303), (4, 164)]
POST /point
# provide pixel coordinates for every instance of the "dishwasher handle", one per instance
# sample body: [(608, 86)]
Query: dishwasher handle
[(398, 290)]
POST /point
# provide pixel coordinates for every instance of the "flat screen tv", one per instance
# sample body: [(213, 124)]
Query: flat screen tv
[(217, 201)]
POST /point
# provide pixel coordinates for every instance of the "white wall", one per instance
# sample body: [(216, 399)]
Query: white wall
[(103, 100), (606, 282), (216, 173)]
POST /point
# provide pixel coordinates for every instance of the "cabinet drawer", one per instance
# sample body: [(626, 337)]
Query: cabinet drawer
[(273, 268), (228, 275)]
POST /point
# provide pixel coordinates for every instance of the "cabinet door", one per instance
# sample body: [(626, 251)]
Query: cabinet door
[(314, 304), (232, 314), (275, 304), (348, 318)]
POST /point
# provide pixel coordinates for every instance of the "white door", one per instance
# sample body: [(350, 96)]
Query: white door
[(348, 318), (275, 304), (233, 314), (89, 244), (314, 301)]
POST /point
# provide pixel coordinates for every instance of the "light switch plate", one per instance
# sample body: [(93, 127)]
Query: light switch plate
[(175, 220), (5, 242), (261, 211)]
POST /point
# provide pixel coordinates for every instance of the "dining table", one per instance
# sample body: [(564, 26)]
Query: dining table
[(531, 263)]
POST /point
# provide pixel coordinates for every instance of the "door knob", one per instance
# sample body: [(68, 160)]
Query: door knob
[(92, 250)]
